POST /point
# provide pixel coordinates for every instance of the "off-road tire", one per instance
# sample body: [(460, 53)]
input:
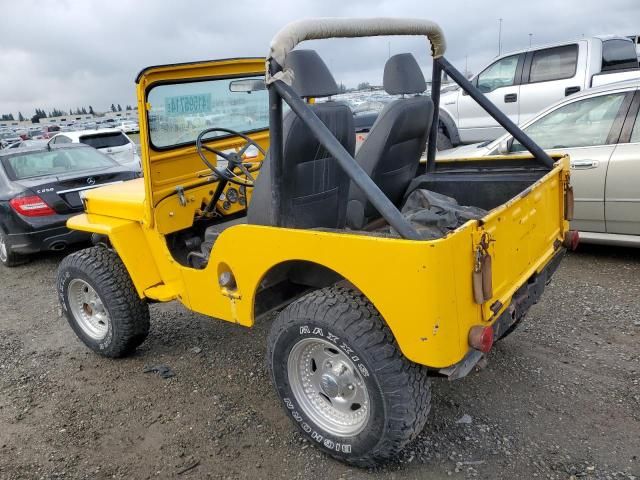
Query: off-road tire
[(443, 142), (400, 394), (11, 259), (103, 270)]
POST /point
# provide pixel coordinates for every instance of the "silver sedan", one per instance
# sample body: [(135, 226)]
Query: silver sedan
[(600, 130)]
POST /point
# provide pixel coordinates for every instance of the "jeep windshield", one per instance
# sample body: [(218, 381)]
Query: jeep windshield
[(179, 112)]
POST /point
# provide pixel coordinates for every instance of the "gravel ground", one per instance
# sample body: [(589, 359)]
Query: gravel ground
[(559, 399)]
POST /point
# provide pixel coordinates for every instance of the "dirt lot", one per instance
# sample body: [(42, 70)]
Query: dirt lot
[(559, 399)]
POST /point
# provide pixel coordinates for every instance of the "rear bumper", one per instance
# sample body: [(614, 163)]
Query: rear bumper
[(35, 234), (524, 298), (57, 238)]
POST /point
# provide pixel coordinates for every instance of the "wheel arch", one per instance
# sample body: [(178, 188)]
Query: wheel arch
[(131, 244), (290, 279)]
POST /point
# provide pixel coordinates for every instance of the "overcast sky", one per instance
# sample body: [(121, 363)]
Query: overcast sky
[(74, 53)]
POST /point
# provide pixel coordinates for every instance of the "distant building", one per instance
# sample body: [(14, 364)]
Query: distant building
[(14, 124), (124, 115), (69, 119), (66, 119)]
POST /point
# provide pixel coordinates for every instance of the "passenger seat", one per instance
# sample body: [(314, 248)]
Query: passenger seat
[(391, 153)]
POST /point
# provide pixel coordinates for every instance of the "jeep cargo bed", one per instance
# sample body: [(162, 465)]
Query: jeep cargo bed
[(526, 217)]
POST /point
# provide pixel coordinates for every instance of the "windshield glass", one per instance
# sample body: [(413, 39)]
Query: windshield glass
[(105, 140), (582, 123), (54, 162), (181, 111)]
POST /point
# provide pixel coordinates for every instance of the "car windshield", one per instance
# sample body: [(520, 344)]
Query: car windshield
[(54, 162), (105, 140), (180, 112)]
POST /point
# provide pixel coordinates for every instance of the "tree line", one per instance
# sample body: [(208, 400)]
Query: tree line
[(56, 112)]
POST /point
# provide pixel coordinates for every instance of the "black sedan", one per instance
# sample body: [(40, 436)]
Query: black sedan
[(40, 188)]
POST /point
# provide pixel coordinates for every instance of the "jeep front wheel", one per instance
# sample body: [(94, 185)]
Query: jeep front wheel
[(342, 379), (101, 303)]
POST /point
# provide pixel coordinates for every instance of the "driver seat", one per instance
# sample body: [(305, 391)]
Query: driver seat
[(314, 188)]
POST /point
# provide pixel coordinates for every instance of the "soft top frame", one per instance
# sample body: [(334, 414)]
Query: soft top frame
[(279, 86)]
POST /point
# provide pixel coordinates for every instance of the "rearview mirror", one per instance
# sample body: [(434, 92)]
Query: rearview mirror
[(247, 85)]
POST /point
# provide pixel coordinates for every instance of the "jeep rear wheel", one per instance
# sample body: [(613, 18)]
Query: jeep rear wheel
[(342, 379), (101, 303)]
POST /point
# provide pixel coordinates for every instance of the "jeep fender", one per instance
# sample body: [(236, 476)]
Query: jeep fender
[(131, 243)]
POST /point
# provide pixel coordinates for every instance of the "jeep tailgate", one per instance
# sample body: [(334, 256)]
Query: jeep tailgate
[(523, 235)]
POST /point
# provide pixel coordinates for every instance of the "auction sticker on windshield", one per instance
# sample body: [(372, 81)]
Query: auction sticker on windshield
[(188, 104)]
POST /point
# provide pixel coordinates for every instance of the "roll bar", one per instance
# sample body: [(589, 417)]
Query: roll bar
[(279, 81), (318, 28)]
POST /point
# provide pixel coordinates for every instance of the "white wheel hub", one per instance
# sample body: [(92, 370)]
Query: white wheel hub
[(87, 309), (328, 387)]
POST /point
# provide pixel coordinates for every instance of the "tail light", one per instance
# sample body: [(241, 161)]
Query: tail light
[(481, 338), (571, 239), (31, 206)]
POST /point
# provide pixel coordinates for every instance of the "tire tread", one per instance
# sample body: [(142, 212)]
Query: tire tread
[(127, 311), (404, 384)]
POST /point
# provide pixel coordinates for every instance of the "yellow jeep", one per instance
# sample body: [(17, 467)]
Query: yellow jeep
[(385, 270)]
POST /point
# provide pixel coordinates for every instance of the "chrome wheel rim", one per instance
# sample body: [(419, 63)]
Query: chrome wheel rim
[(328, 387), (88, 309), (3, 249)]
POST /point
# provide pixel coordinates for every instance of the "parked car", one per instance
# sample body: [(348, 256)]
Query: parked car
[(128, 126), (40, 188), (23, 134), (8, 138), (50, 130), (523, 83), (636, 40), (109, 123), (600, 130), (27, 144), (114, 143)]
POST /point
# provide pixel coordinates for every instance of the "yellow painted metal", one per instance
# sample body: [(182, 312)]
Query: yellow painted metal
[(166, 170), (422, 289), (129, 240), (123, 200)]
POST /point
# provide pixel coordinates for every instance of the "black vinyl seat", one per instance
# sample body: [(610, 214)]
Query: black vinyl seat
[(391, 152), (314, 188)]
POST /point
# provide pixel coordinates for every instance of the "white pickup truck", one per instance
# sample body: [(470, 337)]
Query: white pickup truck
[(636, 39), (523, 83)]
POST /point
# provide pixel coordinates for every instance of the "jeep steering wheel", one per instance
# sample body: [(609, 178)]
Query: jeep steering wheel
[(234, 159)]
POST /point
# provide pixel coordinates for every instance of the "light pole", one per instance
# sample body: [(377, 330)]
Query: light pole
[(530, 35), (499, 36)]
